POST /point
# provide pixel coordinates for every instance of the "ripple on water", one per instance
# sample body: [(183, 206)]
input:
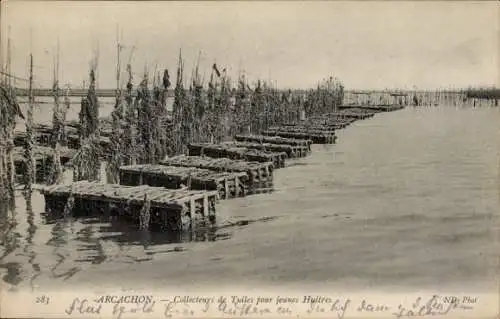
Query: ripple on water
[(405, 198)]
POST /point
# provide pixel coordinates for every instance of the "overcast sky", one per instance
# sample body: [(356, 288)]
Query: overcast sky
[(368, 45)]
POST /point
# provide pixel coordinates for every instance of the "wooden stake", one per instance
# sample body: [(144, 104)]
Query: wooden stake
[(57, 125), (30, 165), (10, 143)]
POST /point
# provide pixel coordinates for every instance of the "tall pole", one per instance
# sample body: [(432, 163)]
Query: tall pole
[(10, 147), (57, 64), (112, 168), (8, 78), (1, 45), (118, 63), (57, 124), (30, 164)]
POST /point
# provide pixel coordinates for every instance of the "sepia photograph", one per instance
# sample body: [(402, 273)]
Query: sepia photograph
[(333, 159)]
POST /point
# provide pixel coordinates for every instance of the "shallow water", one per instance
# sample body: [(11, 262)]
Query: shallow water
[(404, 199)]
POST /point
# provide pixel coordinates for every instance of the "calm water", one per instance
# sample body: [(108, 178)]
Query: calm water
[(405, 199)]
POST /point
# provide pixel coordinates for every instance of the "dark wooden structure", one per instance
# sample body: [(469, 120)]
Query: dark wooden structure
[(377, 108), (260, 174), (169, 209), (43, 136), (301, 129), (292, 151), (221, 150), (273, 140), (318, 137), (43, 159), (227, 184)]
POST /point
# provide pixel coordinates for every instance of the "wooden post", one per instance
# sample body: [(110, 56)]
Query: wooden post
[(192, 210), (58, 124), (141, 178), (205, 206), (145, 213), (112, 169), (10, 127), (236, 186), (211, 212), (30, 165), (226, 188)]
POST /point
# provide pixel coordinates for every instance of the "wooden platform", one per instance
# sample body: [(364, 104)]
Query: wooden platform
[(336, 117), (43, 136), (43, 152), (328, 123), (373, 108), (358, 116), (326, 126), (273, 140), (227, 184), (257, 172), (359, 112), (318, 137), (319, 124), (301, 129), (43, 157), (334, 123), (292, 151), (220, 150), (169, 208), (106, 124)]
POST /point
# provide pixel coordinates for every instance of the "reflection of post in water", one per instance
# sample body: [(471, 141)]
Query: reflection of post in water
[(10, 242), (4, 217), (28, 248), (30, 218), (145, 238), (91, 245), (59, 239), (70, 203), (203, 232)]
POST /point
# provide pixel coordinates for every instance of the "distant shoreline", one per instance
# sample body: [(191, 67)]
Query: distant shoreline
[(470, 93), (488, 94)]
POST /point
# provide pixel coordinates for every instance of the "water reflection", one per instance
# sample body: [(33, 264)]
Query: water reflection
[(59, 241), (266, 187), (245, 222), (4, 218), (124, 233), (11, 241), (91, 247), (30, 234), (373, 212)]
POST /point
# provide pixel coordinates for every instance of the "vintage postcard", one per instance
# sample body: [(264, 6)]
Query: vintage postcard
[(249, 159)]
